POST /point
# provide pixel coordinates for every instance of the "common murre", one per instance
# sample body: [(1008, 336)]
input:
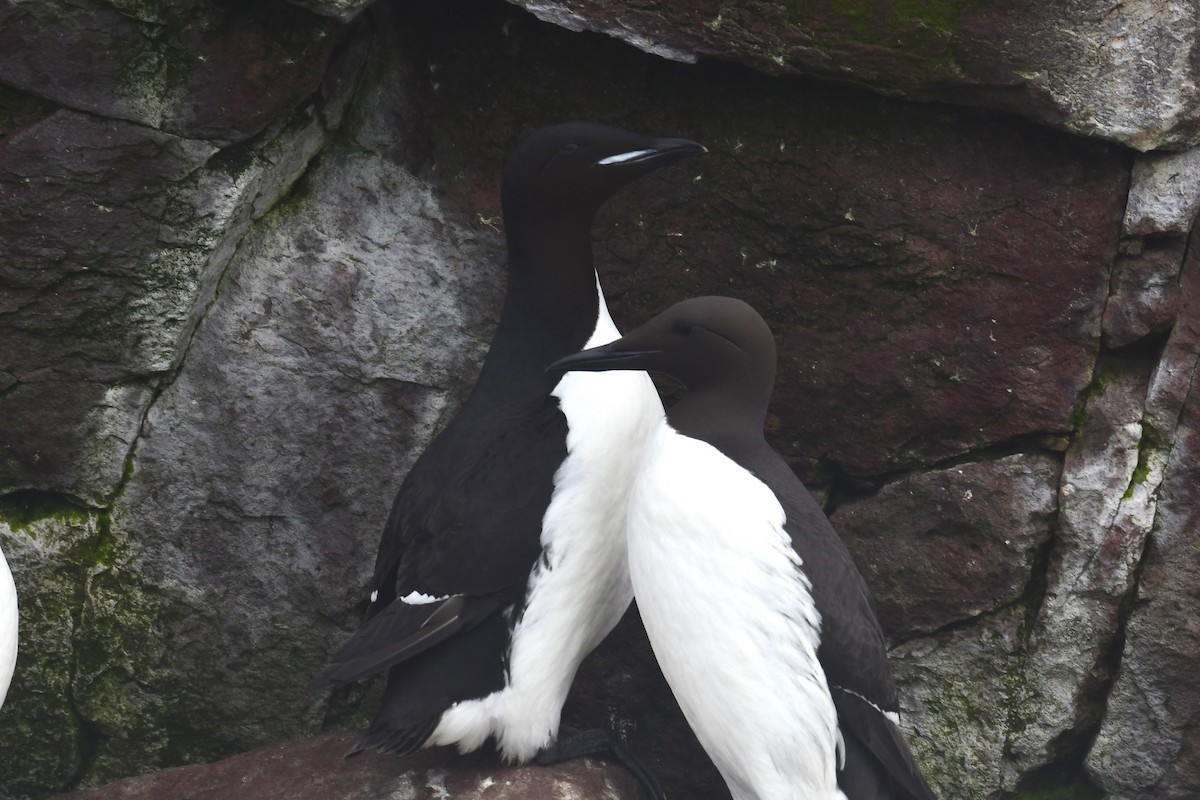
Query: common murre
[(761, 622), (502, 563)]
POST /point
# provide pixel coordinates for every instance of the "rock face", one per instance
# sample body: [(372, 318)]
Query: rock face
[(120, 212), (1148, 745), (950, 545), (252, 258), (316, 770), (1121, 72)]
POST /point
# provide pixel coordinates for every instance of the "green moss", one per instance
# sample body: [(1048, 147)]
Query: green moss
[(88, 699), (120, 654), (1148, 447), (941, 16), (20, 510), (1057, 783), (46, 743), (1140, 472), (1094, 389), (921, 30), (873, 19)]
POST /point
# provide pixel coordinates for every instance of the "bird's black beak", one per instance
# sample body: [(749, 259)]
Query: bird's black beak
[(659, 153), (605, 357)]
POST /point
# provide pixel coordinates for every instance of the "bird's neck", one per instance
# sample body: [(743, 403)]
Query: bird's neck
[(551, 305), (726, 420), (551, 278)]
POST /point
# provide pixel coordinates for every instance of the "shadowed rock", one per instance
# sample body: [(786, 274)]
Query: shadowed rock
[(315, 769), (1066, 64)]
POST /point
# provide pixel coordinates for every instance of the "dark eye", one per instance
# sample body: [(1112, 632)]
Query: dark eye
[(682, 328), (569, 148)]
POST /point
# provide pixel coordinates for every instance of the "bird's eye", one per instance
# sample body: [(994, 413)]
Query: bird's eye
[(569, 148), (682, 328)]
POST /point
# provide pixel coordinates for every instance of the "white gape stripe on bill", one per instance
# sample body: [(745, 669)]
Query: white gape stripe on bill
[(623, 157)]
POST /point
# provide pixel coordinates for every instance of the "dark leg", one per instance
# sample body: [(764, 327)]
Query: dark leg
[(601, 742)]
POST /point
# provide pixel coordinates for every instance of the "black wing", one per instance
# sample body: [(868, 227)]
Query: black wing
[(400, 632), (465, 527), (879, 764), (468, 518), (853, 653)]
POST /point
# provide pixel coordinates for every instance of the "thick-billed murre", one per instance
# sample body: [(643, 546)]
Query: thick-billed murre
[(502, 562), (762, 625)]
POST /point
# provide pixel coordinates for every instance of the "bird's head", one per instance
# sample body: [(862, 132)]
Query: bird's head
[(573, 167)]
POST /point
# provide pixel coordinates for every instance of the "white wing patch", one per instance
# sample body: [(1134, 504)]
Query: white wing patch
[(891, 715), (415, 598)]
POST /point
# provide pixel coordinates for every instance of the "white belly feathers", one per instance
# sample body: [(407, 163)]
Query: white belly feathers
[(731, 619)]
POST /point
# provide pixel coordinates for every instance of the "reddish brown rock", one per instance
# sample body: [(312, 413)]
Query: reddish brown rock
[(945, 546), (935, 279), (315, 769), (1145, 290)]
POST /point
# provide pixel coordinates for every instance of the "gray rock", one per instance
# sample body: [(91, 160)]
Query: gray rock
[(119, 234), (1120, 72), (1125, 73), (1164, 194), (1148, 746), (1106, 507), (947, 545), (265, 467), (1144, 297), (83, 203), (959, 695)]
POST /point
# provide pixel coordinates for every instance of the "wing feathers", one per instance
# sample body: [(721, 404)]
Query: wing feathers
[(400, 632), (866, 728)]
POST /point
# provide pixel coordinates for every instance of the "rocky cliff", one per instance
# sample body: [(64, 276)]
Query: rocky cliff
[(251, 257)]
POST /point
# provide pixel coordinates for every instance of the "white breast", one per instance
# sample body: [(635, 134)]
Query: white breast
[(8, 627), (731, 619), (580, 593)]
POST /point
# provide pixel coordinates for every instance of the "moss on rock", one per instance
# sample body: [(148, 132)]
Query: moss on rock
[(91, 646), (44, 740)]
